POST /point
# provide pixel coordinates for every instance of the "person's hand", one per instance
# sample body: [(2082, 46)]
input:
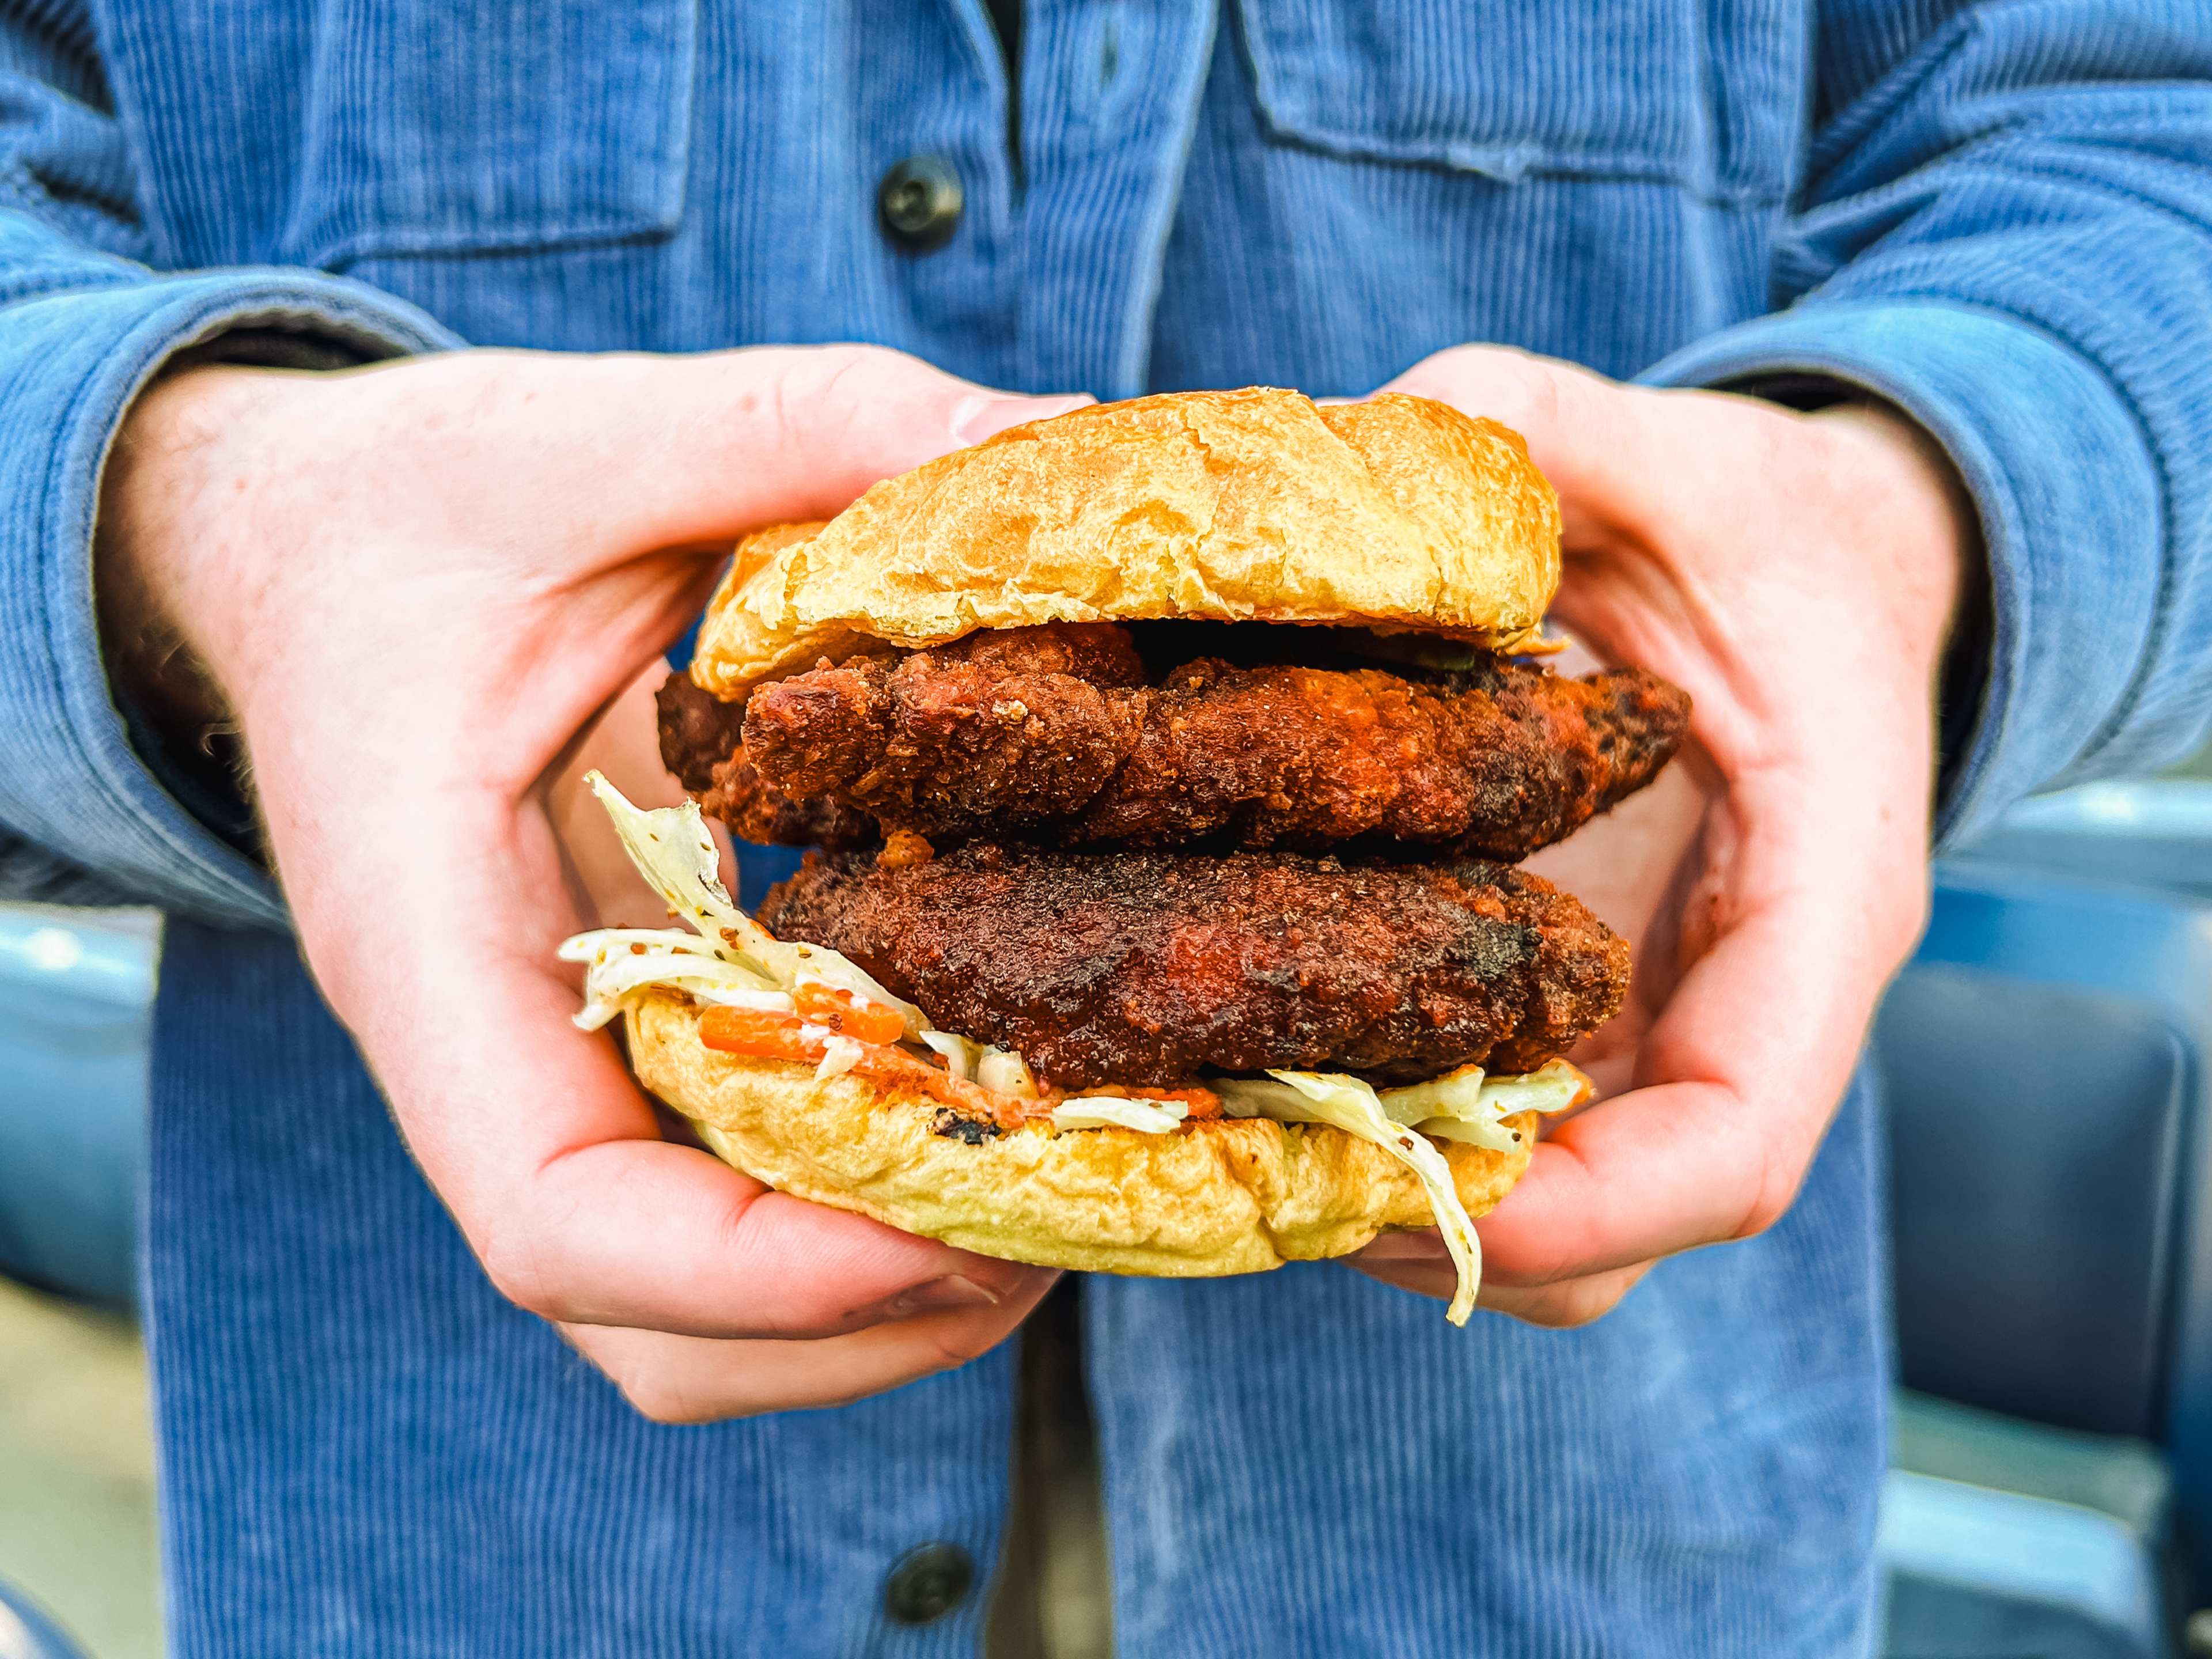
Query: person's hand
[(1797, 575), (412, 587)]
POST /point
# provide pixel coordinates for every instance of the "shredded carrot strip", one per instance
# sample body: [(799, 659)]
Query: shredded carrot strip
[(1197, 1103), (752, 1032), (847, 1015), (759, 1036)]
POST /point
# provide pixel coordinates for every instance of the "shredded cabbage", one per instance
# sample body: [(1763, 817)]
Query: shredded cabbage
[(585, 947), (1495, 1137), (1554, 1086), (1000, 1070), (1455, 1095), (1467, 1106), (1349, 1104), (958, 1053), (1007, 1072), (840, 1054), (1154, 1117), (616, 969), (671, 849)]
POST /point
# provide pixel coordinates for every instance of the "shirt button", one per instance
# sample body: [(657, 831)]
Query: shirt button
[(919, 203), (927, 1583)]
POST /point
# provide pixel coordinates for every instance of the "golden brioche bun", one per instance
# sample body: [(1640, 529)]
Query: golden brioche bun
[(1397, 512), (1234, 1196)]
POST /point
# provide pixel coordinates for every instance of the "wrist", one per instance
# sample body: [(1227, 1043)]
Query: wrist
[(173, 478), (1937, 572), (1961, 664)]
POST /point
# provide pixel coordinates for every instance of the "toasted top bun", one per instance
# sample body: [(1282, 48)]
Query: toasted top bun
[(1234, 1196), (1397, 512)]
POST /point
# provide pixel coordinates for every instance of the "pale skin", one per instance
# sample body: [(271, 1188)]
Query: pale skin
[(426, 592), (1799, 575)]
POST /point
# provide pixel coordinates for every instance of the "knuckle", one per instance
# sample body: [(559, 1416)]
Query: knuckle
[(1777, 1189), (827, 395), (512, 1265), (804, 390), (848, 380), (1545, 1265), (1545, 400)]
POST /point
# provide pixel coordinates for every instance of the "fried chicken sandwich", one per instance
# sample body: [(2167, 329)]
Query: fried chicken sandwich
[(1167, 763)]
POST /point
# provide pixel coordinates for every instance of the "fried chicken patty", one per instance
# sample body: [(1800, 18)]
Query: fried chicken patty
[(1148, 969), (702, 743), (1056, 734)]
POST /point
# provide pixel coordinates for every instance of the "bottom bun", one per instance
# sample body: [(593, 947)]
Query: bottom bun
[(1236, 1196)]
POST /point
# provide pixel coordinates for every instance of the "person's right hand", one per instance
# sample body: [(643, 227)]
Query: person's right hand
[(412, 587)]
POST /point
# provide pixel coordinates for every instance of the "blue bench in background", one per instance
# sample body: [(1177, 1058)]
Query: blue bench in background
[(2047, 1067), (76, 990)]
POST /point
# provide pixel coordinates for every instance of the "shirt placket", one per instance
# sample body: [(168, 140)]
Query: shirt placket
[(1109, 97)]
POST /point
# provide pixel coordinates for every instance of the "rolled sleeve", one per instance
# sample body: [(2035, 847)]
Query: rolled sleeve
[(72, 360), (2063, 474)]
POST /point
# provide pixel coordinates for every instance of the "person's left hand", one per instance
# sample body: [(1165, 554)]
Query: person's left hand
[(1797, 575)]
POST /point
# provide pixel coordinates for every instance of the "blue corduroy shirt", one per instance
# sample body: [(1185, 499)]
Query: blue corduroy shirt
[(1997, 216)]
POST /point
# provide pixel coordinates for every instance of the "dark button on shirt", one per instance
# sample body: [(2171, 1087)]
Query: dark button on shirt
[(919, 203), (927, 1583)]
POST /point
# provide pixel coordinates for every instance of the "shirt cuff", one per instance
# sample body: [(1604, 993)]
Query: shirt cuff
[(2061, 471), (71, 779)]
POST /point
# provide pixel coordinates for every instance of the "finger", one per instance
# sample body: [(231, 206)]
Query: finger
[(684, 1379), (1743, 1064), (624, 746), (534, 1134), (645, 451), (1570, 1302), (1419, 1263), (1588, 434), (1740, 1074), (1632, 469)]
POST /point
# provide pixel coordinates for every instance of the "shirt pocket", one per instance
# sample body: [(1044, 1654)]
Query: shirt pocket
[(1707, 94), (433, 127)]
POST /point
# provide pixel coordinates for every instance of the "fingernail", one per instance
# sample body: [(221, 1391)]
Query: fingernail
[(986, 414), (936, 1295)]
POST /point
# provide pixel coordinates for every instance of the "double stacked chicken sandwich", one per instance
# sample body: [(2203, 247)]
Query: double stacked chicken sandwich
[(1169, 760)]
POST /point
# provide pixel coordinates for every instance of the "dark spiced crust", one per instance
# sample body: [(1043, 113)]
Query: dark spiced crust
[(1153, 969), (700, 742)]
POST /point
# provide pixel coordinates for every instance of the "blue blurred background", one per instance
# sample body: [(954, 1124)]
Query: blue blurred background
[(2047, 1066)]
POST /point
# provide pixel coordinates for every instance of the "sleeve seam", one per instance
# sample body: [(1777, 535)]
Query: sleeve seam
[(209, 874), (52, 534)]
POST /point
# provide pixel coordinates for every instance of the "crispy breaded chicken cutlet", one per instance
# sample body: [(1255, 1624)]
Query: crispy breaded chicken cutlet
[(700, 742), (1062, 735), (1157, 953), (1149, 968)]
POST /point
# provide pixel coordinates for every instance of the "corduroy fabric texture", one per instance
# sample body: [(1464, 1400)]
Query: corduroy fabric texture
[(366, 1451), (1995, 216)]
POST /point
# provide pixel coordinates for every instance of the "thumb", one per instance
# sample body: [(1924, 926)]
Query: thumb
[(662, 450), (1582, 429)]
